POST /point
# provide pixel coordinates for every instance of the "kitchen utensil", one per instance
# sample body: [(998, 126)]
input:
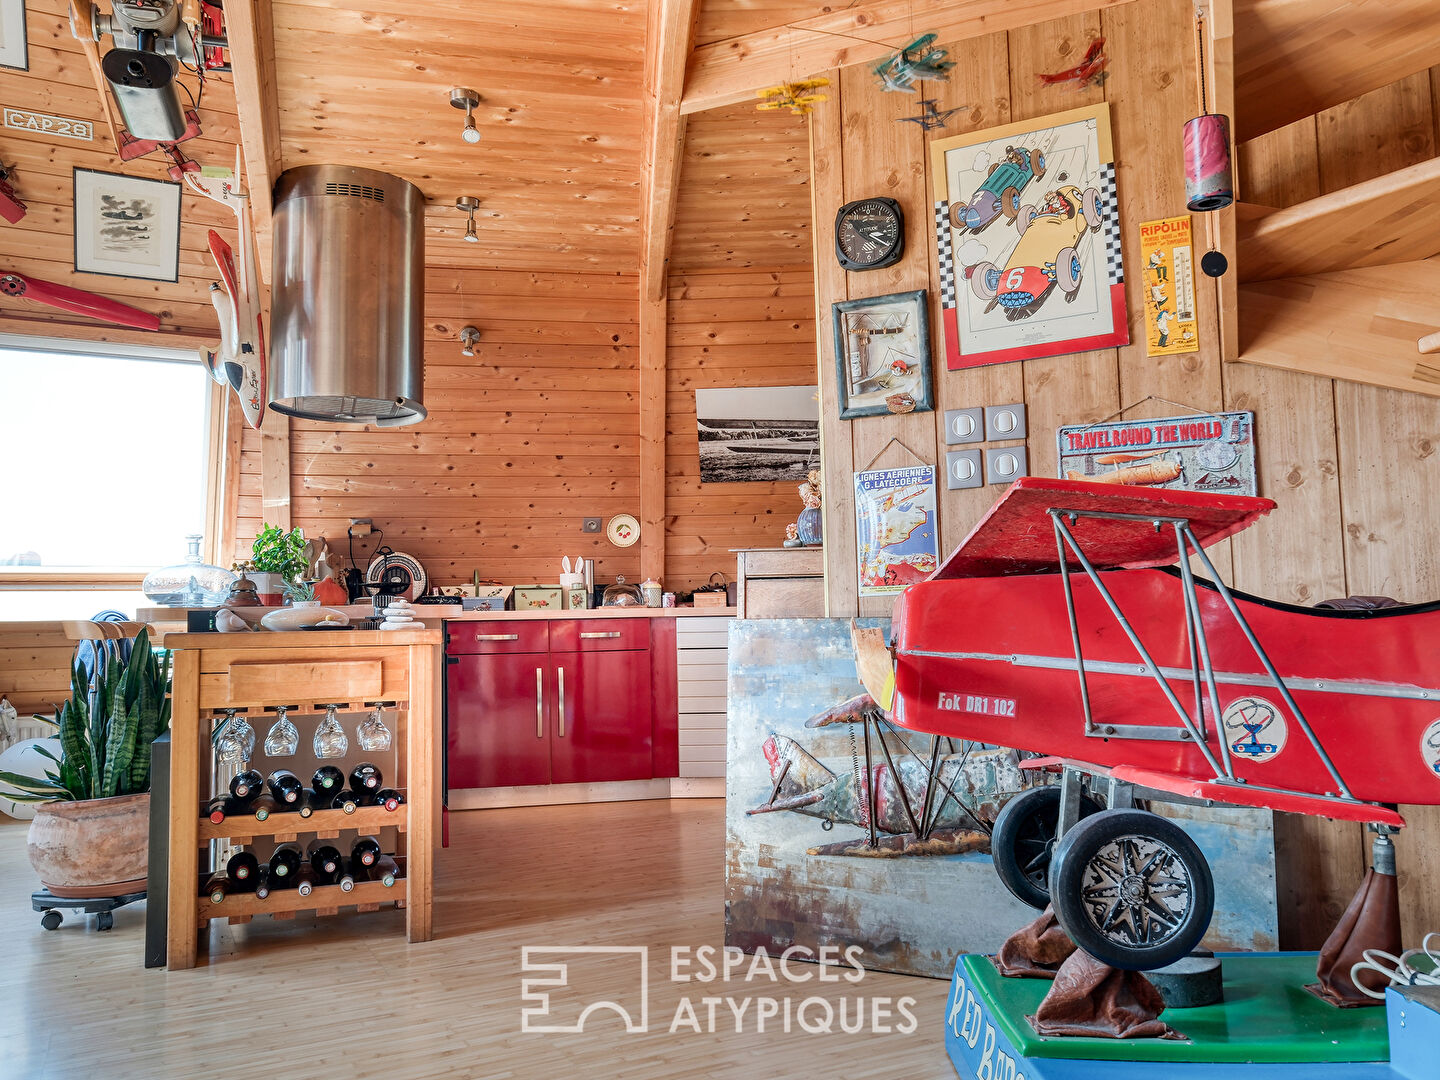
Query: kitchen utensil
[(622, 594), (282, 740), (372, 733), (623, 530), (651, 591), (235, 741)]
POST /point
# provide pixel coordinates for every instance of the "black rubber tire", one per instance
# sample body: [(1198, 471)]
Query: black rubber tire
[(51, 920), (1024, 832), (1070, 869)]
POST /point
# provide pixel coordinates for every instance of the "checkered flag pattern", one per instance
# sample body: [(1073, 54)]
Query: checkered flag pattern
[(1114, 262), (947, 256)]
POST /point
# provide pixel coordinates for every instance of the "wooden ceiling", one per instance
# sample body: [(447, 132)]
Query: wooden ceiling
[(557, 170)]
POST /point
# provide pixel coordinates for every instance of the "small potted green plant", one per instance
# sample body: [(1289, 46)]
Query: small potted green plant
[(90, 836), (276, 557)]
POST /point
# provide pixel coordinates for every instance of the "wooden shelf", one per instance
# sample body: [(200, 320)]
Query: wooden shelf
[(323, 898), (241, 830)]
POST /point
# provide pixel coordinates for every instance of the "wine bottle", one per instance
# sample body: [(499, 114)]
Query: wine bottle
[(286, 787), (324, 860), (285, 862), (241, 869), (366, 777), (305, 882), (366, 850), (327, 779), (308, 803), (262, 882), (246, 785), (386, 871), (215, 808), (345, 800), (263, 806), (389, 798), (218, 887), (346, 882)]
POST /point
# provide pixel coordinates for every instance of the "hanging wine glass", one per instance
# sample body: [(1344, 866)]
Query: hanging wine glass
[(235, 739), (283, 740), (372, 732), (330, 739)]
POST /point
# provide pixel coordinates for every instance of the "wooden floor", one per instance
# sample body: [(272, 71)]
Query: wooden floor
[(345, 996)]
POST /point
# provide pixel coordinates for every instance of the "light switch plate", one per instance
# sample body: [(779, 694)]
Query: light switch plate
[(964, 426), (962, 469), (1006, 464), (591, 525), (1004, 422)]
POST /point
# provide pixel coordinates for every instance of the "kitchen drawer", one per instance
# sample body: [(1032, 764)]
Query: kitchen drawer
[(593, 635), (499, 636)]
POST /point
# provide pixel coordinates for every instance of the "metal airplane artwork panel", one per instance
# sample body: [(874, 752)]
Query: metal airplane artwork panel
[(930, 118), (918, 60)]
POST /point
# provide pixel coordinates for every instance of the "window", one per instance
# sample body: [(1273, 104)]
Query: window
[(103, 470)]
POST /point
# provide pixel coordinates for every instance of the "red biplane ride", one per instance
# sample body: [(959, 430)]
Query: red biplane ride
[(1069, 624)]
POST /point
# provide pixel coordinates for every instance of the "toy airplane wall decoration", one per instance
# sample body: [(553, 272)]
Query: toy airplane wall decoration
[(798, 97), (930, 117), (1089, 72), (241, 361), (918, 60)]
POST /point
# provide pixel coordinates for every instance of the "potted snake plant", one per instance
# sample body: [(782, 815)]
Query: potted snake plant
[(90, 835)]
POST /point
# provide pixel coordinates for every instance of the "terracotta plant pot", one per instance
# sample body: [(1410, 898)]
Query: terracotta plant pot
[(99, 847)]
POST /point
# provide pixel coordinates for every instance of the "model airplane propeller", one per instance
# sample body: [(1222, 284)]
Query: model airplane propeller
[(918, 60), (241, 361), (798, 97)]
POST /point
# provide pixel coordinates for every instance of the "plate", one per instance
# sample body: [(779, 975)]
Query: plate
[(397, 564), (622, 530)]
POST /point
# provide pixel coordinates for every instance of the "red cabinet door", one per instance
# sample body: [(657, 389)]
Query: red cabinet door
[(498, 720), (602, 726)]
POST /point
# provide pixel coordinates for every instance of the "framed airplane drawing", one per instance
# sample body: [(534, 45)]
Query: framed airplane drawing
[(1028, 233)]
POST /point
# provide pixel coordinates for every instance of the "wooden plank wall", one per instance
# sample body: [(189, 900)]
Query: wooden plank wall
[(1349, 465), (538, 430), (1354, 470), (741, 301), (42, 244), (35, 662)]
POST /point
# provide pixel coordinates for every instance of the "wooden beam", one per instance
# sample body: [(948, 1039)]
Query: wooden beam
[(1295, 58), (274, 469), (652, 437), (1388, 219), (251, 36), (1362, 325), (1220, 225), (669, 32), (725, 72)]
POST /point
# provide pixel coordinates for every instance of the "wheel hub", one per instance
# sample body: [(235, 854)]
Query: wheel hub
[(1133, 889)]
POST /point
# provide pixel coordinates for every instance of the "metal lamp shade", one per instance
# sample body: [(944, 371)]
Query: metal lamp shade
[(347, 297)]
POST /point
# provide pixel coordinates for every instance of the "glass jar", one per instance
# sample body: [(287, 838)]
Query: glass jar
[(192, 583)]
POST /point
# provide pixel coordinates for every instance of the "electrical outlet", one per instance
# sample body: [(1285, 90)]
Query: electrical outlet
[(590, 525)]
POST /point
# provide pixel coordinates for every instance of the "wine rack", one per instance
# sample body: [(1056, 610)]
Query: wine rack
[(218, 672)]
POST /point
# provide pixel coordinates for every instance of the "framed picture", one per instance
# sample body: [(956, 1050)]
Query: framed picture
[(897, 539), (1028, 234), (758, 433), (1212, 452), (126, 226), (14, 52), (882, 355)]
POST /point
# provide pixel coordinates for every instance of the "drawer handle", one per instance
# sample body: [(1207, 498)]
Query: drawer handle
[(497, 637), (600, 634), (539, 704), (562, 702)]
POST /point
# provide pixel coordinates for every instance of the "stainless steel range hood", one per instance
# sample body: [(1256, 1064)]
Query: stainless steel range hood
[(346, 297)]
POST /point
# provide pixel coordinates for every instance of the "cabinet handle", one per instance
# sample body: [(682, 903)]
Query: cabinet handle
[(497, 637), (562, 703), (539, 704), (599, 634)]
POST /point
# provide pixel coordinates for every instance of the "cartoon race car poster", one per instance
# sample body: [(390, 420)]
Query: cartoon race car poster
[(1028, 232), (897, 542)]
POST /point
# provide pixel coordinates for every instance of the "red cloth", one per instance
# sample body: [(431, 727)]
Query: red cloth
[(1093, 999), (1036, 950)]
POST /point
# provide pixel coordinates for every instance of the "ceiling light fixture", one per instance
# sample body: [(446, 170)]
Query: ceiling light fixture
[(469, 204), (462, 97), (468, 337)]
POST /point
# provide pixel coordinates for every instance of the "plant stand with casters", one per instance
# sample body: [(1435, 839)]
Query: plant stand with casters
[(50, 905), (219, 672)]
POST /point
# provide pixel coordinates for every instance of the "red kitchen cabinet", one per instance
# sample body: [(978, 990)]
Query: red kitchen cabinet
[(602, 728), (561, 701), (498, 723)]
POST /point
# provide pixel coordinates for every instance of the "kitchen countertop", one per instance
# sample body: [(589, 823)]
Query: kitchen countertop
[(589, 613)]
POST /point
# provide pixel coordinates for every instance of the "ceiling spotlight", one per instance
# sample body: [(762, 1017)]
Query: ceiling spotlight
[(468, 337), (469, 204), (463, 97)]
